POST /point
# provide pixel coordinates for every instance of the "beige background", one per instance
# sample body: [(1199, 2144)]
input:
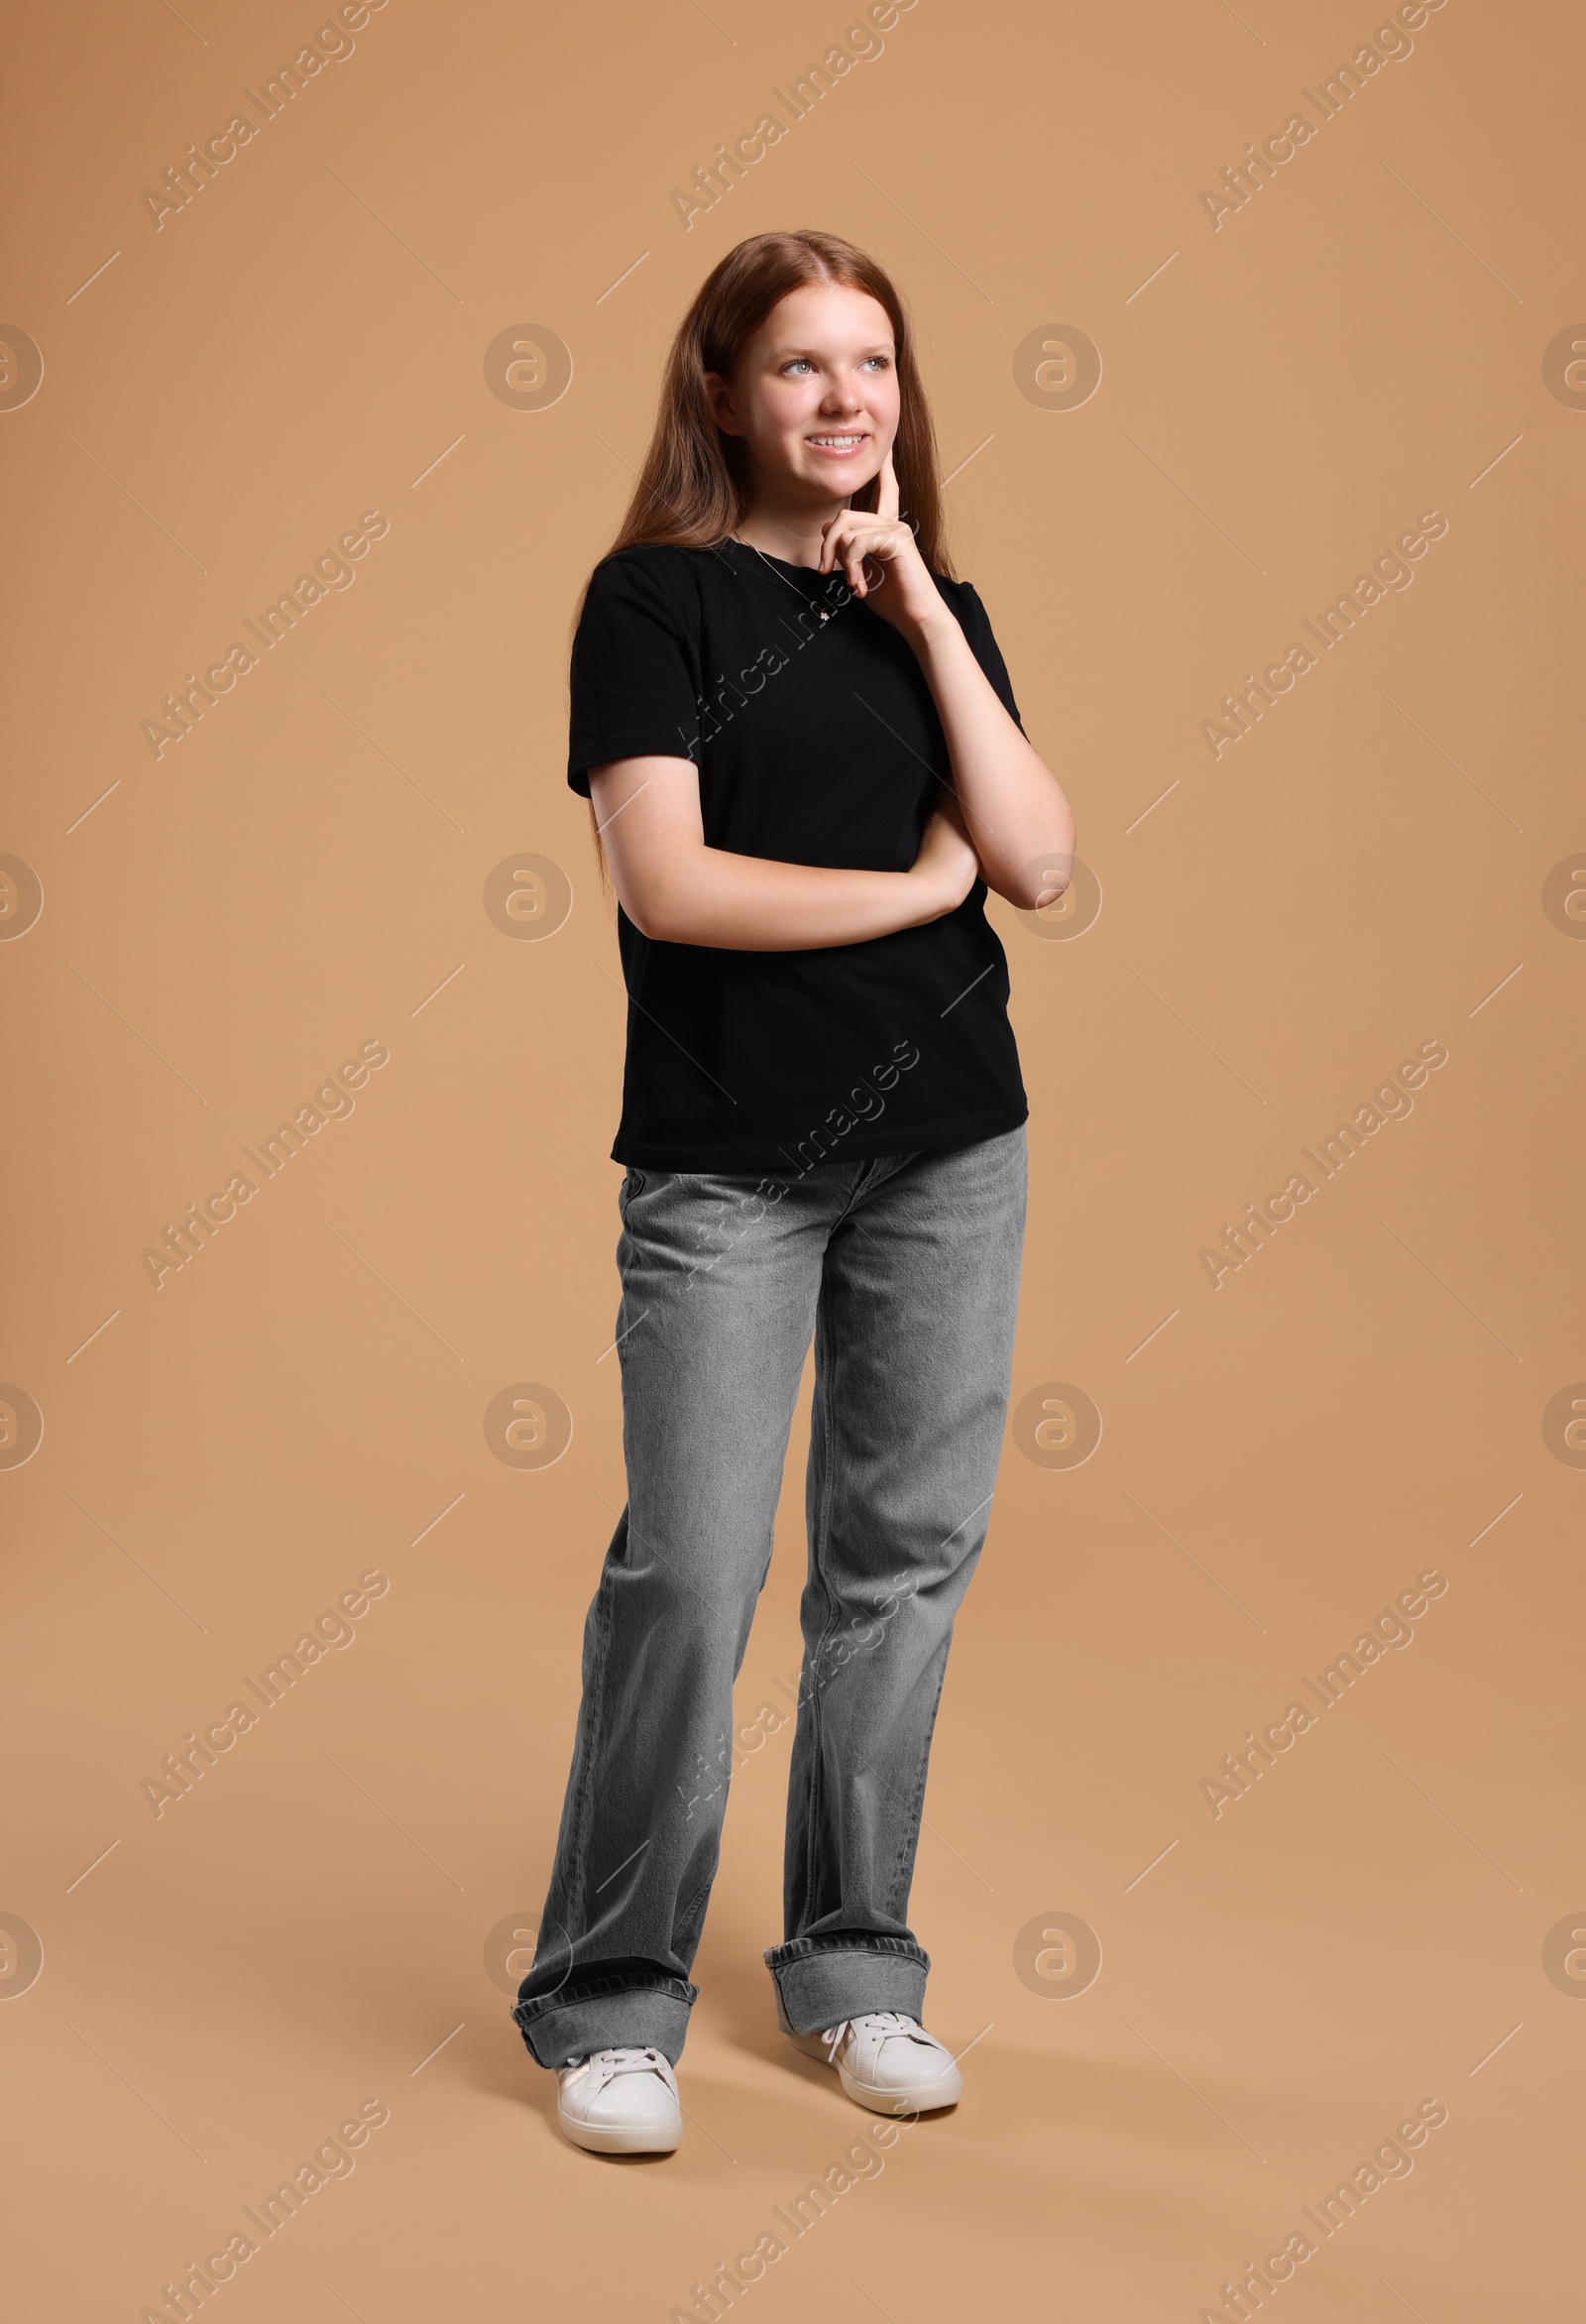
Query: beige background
[(223, 1456)]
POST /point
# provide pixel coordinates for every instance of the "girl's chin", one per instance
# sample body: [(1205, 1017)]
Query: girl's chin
[(847, 475)]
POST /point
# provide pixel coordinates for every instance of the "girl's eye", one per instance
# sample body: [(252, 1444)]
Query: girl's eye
[(880, 361), (798, 363)]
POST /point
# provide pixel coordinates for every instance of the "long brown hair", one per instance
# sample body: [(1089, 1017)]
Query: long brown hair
[(694, 488)]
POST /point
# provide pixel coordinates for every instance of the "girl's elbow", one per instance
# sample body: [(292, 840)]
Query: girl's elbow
[(646, 918), (660, 893), (656, 914), (1040, 884)]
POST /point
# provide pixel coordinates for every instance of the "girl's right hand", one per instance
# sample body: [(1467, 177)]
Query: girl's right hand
[(947, 865)]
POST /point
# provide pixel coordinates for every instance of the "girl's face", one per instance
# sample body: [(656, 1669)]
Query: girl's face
[(813, 393)]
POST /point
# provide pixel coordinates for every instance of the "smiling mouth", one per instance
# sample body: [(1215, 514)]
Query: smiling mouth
[(841, 444)]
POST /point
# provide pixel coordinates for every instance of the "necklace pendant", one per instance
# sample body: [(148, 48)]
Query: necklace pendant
[(825, 616)]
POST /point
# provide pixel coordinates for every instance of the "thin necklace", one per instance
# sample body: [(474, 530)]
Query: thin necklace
[(821, 610)]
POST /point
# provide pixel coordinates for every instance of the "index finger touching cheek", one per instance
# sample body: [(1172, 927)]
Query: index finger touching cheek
[(886, 498)]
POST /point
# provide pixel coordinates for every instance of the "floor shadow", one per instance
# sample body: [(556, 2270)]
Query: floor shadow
[(740, 1999)]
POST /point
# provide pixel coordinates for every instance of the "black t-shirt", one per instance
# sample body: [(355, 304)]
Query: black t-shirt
[(817, 742)]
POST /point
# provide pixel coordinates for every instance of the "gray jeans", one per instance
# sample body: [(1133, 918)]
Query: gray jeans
[(906, 1269)]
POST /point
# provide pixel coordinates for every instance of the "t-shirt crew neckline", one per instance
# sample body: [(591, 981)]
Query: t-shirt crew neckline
[(750, 550), (751, 563)]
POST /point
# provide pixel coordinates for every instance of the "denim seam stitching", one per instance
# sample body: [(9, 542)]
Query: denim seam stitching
[(700, 1895), (821, 1422), (578, 1854), (909, 1837)]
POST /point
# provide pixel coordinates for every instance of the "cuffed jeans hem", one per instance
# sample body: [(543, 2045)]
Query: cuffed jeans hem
[(618, 2016), (818, 1983)]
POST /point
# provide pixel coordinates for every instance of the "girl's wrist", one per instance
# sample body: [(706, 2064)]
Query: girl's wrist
[(932, 889), (935, 627)]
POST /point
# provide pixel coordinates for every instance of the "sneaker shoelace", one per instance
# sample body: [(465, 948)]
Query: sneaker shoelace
[(604, 2065), (881, 2021)]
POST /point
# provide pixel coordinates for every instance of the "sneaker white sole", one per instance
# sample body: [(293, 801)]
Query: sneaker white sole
[(919, 2098), (922, 2097), (620, 2138)]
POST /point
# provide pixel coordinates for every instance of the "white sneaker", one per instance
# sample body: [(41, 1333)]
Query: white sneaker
[(620, 2102), (886, 2062)]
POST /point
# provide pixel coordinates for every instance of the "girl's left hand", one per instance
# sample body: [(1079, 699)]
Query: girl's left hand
[(878, 554)]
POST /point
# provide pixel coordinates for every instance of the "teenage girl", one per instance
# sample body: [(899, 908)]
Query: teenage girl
[(805, 767)]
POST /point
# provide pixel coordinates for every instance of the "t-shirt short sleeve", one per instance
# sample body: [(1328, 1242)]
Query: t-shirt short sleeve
[(976, 627), (634, 683)]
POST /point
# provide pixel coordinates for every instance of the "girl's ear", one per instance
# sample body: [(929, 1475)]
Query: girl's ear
[(719, 403)]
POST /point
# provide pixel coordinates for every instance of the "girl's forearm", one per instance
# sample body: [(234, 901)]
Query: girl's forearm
[(749, 903), (1014, 808), (675, 889), (681, 890)]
